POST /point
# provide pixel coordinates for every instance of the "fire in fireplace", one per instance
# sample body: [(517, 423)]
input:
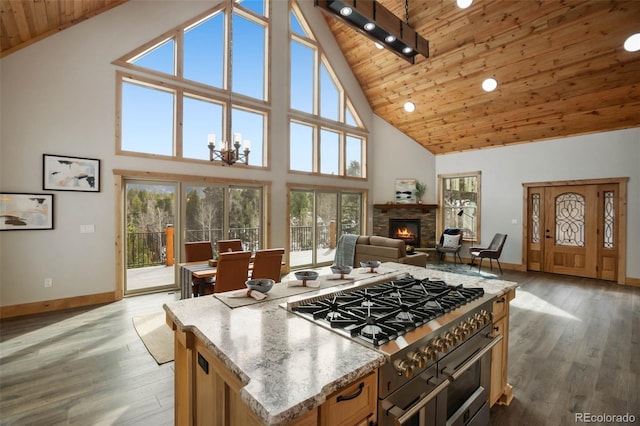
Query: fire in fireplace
[(407, 230)]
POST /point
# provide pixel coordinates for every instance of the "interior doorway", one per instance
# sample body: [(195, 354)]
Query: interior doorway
[(576, 228)]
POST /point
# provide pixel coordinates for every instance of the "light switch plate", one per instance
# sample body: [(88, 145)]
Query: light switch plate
[(514, 221), (87, 229)]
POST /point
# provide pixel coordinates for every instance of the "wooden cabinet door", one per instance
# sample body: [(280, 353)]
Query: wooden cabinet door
[(498, 376)]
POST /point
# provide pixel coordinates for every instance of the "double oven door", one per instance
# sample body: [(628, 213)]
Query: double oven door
[(453, 392)]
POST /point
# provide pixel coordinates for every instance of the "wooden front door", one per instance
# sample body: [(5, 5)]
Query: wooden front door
[(573, 230), (570, 230)]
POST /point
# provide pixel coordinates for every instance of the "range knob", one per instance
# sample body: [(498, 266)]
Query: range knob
[(467, 328), (481, 320), (440, 345), (450, 339), (474, 323), (429, 352), (486, 315), (458, 333), (417, 359), (403, 367)]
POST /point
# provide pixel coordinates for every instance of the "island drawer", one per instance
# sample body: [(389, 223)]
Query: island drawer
[(351, 404)]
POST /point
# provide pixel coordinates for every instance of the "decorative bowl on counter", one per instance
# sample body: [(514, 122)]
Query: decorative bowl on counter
[(263, 285), (341, 270), (306, 275), (371, 264)]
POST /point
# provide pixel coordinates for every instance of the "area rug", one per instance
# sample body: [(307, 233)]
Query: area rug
[(156, 336), (462, 269)]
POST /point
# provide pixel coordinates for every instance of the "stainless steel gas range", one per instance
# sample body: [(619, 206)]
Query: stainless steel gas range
[(437, 340)]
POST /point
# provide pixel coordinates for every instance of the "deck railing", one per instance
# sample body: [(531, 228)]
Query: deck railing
[(149, 248)]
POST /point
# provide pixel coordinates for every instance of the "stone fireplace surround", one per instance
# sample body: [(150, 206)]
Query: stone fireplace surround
[(425, 212)]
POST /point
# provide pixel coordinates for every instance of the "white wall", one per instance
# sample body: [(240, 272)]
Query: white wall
[(504, 170)]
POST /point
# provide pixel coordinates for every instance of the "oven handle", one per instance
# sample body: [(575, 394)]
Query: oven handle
[(454, 376), (403, 415)]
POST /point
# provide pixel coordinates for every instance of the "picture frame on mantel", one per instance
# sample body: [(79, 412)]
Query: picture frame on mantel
[(405, 191), (24, 211), (62, 173)]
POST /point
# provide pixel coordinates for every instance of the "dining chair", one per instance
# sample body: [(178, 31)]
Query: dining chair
[(232, 271), (194, 252), (267, 264), (225, 246)]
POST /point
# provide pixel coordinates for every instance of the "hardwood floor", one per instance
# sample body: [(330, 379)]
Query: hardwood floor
[(84, 366), (574, 347)]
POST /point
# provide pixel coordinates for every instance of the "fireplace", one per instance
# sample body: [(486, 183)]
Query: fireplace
[(407, 230)]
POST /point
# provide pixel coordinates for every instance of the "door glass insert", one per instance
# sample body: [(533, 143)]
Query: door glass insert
[(535, 218), (608, 219), (570, 220)]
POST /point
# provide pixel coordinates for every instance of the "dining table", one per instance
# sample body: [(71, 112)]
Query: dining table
[(199, 269)]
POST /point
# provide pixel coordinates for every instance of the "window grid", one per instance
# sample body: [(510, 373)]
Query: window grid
[(325, 107), (460, 201), (171, 75)]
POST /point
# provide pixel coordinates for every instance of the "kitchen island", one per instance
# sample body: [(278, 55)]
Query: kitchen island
[(260, 364)]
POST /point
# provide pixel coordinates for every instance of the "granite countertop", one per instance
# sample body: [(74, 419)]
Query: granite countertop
[(288, 364)]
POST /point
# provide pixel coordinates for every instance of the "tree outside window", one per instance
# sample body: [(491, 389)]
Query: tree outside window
[(460, 203)]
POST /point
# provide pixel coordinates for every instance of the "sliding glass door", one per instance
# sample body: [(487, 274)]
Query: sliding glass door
[(218, 212), (150, 208), (317, 218)]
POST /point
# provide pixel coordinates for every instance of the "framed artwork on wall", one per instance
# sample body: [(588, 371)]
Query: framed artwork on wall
[(61, 173), (405, 191), (22, 211)]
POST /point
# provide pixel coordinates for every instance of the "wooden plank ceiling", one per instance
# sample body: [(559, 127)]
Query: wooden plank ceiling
[(560, 66), (24, 22)]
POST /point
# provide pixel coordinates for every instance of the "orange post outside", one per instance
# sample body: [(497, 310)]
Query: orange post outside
[(168, 232), (332, 234)]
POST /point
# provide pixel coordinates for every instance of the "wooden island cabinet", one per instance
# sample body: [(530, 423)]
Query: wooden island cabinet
[(207, 393), (259, 364), (500, 391)]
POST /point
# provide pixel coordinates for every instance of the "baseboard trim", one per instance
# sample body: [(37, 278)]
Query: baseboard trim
[(635, 282), (56, 305)]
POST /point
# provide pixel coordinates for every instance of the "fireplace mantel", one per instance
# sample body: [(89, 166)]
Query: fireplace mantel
[(398, 206)]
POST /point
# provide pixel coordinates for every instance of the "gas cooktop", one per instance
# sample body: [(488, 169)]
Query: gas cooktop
[(384, 312)]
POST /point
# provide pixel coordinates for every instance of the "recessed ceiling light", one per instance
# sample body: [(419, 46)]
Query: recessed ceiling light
[(409, 106), (489, 85), (406, 50), (390, 38), (369, 26), (463, 4), (378, 45), (632, 44), (346, 11)]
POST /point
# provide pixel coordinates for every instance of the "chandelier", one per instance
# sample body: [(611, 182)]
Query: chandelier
[(229, 153)]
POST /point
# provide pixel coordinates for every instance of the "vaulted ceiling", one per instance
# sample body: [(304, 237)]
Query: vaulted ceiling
[(560, 66)]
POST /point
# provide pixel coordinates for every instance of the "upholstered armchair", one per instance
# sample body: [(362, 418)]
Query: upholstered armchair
[(450, 242), (493, 251)]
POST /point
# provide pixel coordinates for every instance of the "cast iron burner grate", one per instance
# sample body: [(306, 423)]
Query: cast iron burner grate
[(385, 311)]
